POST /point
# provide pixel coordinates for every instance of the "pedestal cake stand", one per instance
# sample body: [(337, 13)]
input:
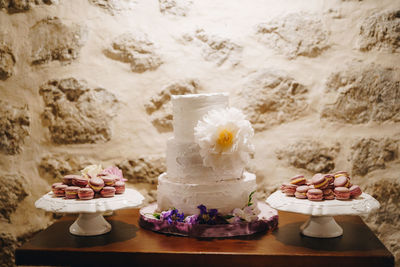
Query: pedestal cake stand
[(267, 221), (90, 221), (321, 223)]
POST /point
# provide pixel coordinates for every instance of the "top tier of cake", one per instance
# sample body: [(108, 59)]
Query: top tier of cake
[(189, 109)]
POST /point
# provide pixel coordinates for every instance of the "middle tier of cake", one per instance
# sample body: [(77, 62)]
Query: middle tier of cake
[(184, 164), (222, 195)]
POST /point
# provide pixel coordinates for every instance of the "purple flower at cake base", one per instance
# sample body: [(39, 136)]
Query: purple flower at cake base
[(172, 216), (207, 217), (192, 219)]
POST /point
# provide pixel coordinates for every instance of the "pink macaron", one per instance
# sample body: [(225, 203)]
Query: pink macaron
[(289, 189), (107, 191), (53, 186), (330, 178), (328, 194), (298, 180), (315, 194), (301, 191), (96, 184), (109, 180), (119, 187), (80, 181), (85, 193), (320, 181), (342, 181), (341, 173), (342, 193), (355, 191), (71, 192), (68, 179), (59, 190)]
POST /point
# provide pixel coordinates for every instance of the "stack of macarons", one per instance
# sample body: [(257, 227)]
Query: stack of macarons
[(93, 181), (322, 187)]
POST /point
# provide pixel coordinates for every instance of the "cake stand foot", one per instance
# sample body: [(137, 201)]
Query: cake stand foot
[(89, 224), (321, 226)]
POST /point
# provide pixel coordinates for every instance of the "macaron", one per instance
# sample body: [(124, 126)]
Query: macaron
[(85, 193), (319, 181), (342, 193), (341, 173), (289, 189), (341, 181), (355, 191), (96, 184), (301, 191), (330, 178), (315, 194), (298, 180), (68, 179), (109, 180), (119, 187), (59, 190), (107, 191), (53, 186), (328, 194), (80, 181), (71, 192)]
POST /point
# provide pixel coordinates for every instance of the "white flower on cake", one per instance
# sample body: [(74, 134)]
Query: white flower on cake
[(224, 137), (91, 171)]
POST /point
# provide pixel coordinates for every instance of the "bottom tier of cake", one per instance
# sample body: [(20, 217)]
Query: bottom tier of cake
[(223, 195)]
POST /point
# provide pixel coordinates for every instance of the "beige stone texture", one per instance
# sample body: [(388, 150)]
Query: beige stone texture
[(90, 81)]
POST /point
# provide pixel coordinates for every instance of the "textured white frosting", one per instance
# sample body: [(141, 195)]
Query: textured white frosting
[(222, 195), (184, 164), (188, 109)]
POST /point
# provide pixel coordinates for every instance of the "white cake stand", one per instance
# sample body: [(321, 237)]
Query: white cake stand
[(90, 221), (321, 223)]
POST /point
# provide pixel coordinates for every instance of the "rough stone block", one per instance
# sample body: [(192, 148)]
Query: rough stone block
[(16, 6), (7, 62), (53, 40), (14, 127), (369, 154), (270, 97), (381, 31), (12, 192), (365, 93), (174, 7), (76, 114), (142, 169), (310, 155), (114, 6), (215, 48), (296, 34), (160, 106), (136, 49)]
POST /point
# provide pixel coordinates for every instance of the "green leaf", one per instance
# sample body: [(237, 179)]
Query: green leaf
[(249, 203), (157, 215), (226, 217)]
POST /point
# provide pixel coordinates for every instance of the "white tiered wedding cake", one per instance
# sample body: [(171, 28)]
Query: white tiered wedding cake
[(207, 156)]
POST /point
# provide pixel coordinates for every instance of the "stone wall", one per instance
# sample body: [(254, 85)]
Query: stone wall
[(90, 81)]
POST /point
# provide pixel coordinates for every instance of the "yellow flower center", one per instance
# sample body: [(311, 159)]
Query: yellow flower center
[(225, 138)]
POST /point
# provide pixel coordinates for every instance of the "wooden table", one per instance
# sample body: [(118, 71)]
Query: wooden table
[(128, 244)]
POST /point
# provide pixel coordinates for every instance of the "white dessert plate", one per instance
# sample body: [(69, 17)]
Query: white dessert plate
[(90, 220)]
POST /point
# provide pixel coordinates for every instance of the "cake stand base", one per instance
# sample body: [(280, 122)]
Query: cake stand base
[(322, 227), (90, 224)]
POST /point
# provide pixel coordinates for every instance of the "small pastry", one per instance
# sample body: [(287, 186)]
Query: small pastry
[(328, 194), (342, 193), (71, 192), (330, 178), (96, 184), (289, 189), (53, 186), (59, 190), (319, 181), (342, 181), (107, 191), (109, 180), (119, 187), (298, 180), (341, 173), (355, 191), (314, 194), (301, 191), (85, 193), (68, 179), (80, 181)]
